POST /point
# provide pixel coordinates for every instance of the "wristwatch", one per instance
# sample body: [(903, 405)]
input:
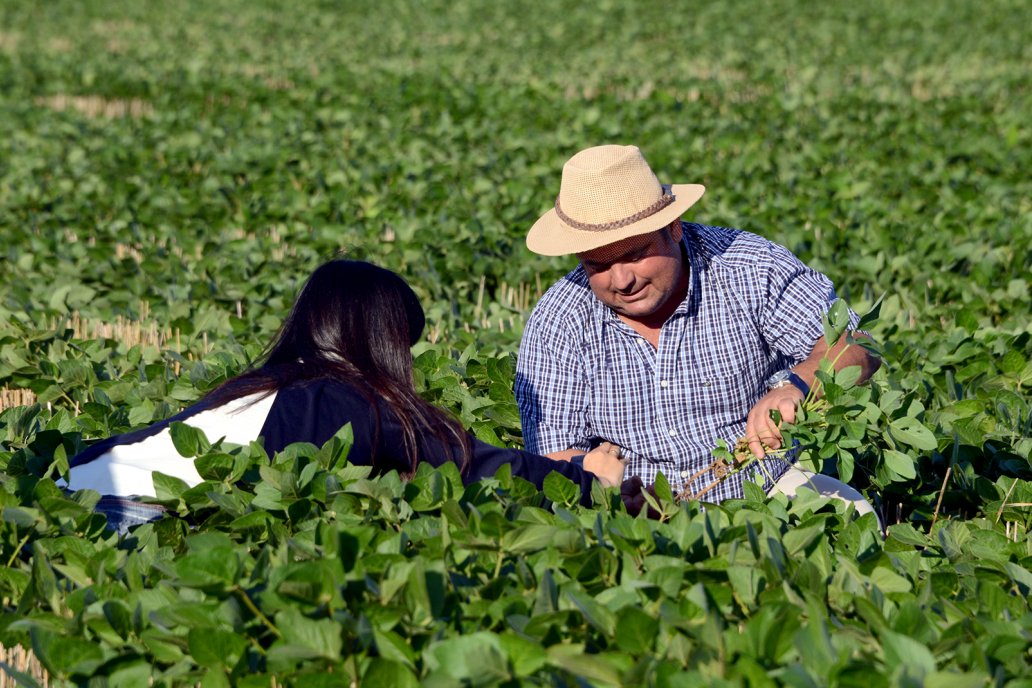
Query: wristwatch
[(787, 377)]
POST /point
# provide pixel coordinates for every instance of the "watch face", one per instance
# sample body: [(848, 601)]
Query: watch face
[(777, 379)]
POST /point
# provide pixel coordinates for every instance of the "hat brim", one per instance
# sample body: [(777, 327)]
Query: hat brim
[(550, 236)]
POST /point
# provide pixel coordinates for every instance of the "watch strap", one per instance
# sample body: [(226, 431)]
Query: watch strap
[(799, 383)]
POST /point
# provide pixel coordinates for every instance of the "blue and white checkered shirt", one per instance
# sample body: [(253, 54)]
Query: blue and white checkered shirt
[(584, 376)]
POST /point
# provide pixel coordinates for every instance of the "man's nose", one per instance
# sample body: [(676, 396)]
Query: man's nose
[(621, 277)]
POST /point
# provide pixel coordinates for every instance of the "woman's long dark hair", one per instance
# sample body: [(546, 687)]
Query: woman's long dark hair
[(356, 322)]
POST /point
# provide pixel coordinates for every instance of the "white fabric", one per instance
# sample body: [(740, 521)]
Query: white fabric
[(127, 469), (794, 478)]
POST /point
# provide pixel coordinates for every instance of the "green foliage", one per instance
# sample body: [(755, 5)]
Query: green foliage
[(312, 569), (178, 168)]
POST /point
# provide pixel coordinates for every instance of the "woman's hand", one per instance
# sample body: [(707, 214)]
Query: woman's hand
[(605, 462)]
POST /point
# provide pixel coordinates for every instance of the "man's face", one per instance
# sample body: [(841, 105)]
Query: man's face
[(638, 277)]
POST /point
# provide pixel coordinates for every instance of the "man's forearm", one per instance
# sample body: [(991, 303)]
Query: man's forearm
[(565, 454), (844, 355), (760, 428)]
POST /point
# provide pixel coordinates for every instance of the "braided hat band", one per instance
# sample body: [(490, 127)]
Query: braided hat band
[(664, 200)]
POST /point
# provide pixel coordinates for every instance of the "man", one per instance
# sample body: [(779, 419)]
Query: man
[(669, 335)]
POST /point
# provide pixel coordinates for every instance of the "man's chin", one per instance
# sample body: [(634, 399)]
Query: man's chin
[(635, 309)]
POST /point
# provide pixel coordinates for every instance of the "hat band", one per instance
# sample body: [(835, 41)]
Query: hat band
[(664, 200)]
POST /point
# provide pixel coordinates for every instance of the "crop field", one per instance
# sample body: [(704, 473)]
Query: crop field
[(171, 172)]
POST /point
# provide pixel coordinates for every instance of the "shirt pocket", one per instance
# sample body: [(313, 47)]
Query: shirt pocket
[(728, 379), (622, 380)]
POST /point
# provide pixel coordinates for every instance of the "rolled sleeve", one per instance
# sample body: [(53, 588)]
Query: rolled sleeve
[(797, 297)]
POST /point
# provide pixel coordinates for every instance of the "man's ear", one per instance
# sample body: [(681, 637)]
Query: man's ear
[(675, 230)]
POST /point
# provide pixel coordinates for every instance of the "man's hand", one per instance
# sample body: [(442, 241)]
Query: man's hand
[(605, 462), (760, 428)]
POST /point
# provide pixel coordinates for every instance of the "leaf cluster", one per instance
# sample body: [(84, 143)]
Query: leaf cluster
[(307, 569)]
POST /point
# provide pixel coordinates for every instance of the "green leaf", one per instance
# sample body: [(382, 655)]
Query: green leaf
[(477, 656), (953, 679), (889, 581), (308, 637), (572, 658), (65, 656), (25, 518), (899, 463), (215, 648), (143, 413), (384, 672), (904, 652), (965, 408), (846, 465), (161, 647), (532, 538), (1013, 363), (392, 646), (967, 318), (59, 465), (189, 441), (215, 679), (1021, 576), (871, 316), (526, 657), (561, 490), (211, 567), (662, 488), (798, 539), (44, 581), (907, 535), (334, 452), (594, 613), (912, 432), (119, 616), (637, 631), (167, 487), (835, 322), (215, 466), (847, 377)]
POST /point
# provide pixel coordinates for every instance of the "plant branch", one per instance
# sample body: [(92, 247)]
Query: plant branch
[(249, 603), (1004, 504), (14, 554), (942, 491)]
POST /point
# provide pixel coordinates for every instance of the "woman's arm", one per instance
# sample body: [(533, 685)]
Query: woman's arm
[(486, 460)]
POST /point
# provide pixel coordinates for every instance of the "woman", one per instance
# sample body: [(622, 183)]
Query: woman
[(342, 356)]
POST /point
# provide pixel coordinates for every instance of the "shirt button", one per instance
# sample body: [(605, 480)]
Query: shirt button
[(664, 383), (673, 432), (684, 474), (641, 341)]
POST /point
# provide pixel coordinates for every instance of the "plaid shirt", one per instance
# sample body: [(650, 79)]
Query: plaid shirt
[(584, 376)]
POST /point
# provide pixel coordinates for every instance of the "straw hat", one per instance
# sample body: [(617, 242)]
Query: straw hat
[(608, 193)]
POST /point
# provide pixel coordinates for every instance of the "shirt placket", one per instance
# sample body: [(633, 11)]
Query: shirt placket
[(642, 377), (636, 361), (670, 389), (674, 380)]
